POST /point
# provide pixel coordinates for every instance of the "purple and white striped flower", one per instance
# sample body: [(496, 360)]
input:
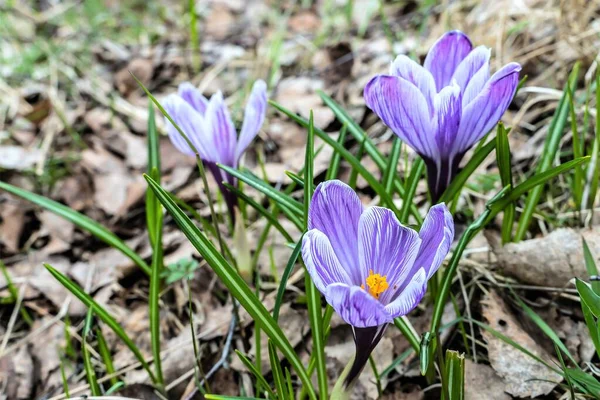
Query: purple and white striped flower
[(369, 266), (208, 125), (441, 109)]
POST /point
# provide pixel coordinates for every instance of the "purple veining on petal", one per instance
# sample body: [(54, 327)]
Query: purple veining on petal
[(480, 116), (476, 60), (222, 129), (189, 121), (335, 210), (410, 296), (321, 261), (386, 248), (254, 116), (193, 97), (403, 108), (445, 56), (357, 307), (407, 69)]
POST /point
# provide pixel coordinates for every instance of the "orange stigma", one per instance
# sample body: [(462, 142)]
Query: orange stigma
[(376, 283)]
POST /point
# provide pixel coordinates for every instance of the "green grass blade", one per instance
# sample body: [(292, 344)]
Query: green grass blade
[(585, 381), (154, 300), (587, 295), (106, 357), (284, 279), (309, 167), (592, 326), (411, 189), (258, 184), (590, 266), (555, 133), (153, 210), (87, 359), (257, 374), (261, 210), (503, 159), (234, 283), (219, 397), (392, 166), (578, 178), (79, 220), (404, 325), (104, 316), (277, 373), (455, 374), (374, 154), (334, 164), (459, 181)]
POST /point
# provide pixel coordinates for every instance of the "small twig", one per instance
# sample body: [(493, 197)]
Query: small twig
[(222, 361)]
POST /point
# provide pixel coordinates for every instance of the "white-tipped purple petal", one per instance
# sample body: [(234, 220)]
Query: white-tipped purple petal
[(224, 137), (386, 247), (254, 116), (193, 97), (445, 56), (480, 116), (190, 122), (448, 110), (357, 307), (335, 210), (476, 60), (403, 108), (407, 69), (321, 262), (475, 85), (410, 297), (437, 234)]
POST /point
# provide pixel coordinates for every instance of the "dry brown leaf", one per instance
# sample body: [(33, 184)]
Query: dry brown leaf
[(58, 229), (523, 376), (19, 158), (298, 94), (549, 261), (141, 68), (481, 382), (46, 353), (12, 216), (16, 375)]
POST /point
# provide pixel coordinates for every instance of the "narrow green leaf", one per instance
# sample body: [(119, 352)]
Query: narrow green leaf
[(234, 283), (104, 316), (257, 374), (334, 164), (578, 178), (459, 181), (455, 374), (284, 279), (294, 177), (411, 189), (277, 373), (592, 326), (392, 166), (90, 374), (369, 148), (154, 300), (153, 210), (587, 295), (503, 159), (106, 357), (590, 265), (80, 220), (555, 133), (586, 381), (408, 332)]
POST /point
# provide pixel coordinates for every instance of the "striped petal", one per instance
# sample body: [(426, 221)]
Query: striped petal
[(189, 121), (437, 234), (445, 56), (321, 261), (478, 59), (403, 108), (254, 116), (193, 97), (386, 247), (223, 135), (335, 210), (484, 112), (356, 306), (410, 297), (407, 69)]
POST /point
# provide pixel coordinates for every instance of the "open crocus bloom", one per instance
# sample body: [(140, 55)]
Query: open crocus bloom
[(369, 266), (443, 108), (208, 125)]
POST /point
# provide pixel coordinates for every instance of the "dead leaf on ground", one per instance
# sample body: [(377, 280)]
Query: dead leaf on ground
[(16, 375), (299, 95), (523, 376), (481, 382), (19, 158), (12, 216), (549, 261)]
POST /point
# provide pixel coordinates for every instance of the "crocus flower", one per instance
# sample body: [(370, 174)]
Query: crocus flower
[(208, 125), (369, 266), (443, 108)]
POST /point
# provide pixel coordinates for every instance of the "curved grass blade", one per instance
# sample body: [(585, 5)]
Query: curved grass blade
[(380, 161), (334, 164), (555, 133), (80, 220), (153, 210), (106, 358), (459, 181), (87, 359), (154, 298), (455, 375), (411, 188), (261, 210), (231, 279), (257, 374), (104, 316), (503, 158), (284, 279)]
